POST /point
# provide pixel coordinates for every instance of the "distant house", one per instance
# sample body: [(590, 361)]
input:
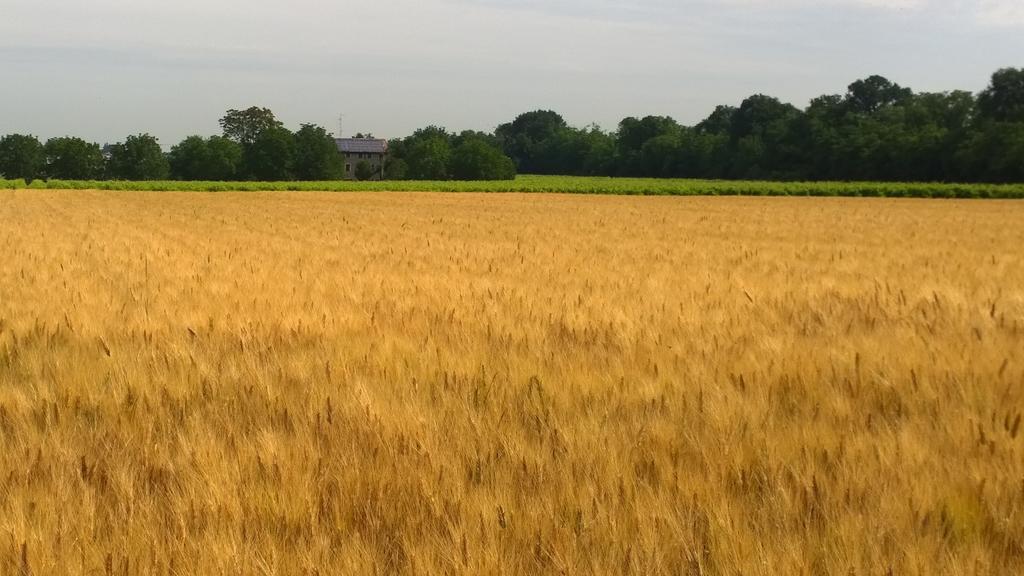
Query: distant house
[(373, 151)]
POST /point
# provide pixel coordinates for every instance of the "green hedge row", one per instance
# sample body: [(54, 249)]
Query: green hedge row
[(566, 184)]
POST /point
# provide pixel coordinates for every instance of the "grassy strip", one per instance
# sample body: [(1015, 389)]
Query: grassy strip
[(568, 184)]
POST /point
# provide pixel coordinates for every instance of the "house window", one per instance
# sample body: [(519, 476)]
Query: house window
[(348, 167)]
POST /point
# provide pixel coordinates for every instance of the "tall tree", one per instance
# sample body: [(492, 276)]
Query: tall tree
[(271, 157), (316, 154), (527, 138), (660, 156), (224, 159), (591, 151), (21, 156), (760, 114), (188, 159), (573, 151), (633, 136), (215, 158), (823, 124), (139, 157), (633, 133), (874, 92), (71, 158), (475, 158), (702, 154), (427, 154), (1003, 100), (719, 122), (932, 125), (395, 168), (245, 126), (764, 140), (994, 153)]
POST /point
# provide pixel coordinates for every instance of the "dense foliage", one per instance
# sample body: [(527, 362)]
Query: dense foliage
[(364, 170), (214, 158), (433, 153), (271, 156), (21, 156), (245, 126), (138, 158), (73, 159), (316, 155), (570, 185), (876, 131), (474, 159)]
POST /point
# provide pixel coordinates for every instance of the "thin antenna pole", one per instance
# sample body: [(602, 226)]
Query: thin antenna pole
[(341, 125)]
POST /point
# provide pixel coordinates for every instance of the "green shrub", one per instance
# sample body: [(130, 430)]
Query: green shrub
[(570, 185)]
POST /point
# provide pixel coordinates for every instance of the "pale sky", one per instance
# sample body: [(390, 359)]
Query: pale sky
[(103, 69)]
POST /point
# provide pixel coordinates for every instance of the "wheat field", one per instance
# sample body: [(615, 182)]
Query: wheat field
[(403, 383)]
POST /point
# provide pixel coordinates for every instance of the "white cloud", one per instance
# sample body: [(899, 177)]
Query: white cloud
[(1001, 12), (791, 4)]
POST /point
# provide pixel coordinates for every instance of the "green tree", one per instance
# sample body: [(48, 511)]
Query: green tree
[(574, 151), (188, 158), (428, 153), (876, 130), (224, 159), (271, 157), (929, 128), (526, 139), (216, 158), (764, 140), (719, 122), (21, 156), (994, 153), (396, 169), (633, 134), (759, 115), (477, 159), (702, 155), (1003, 100), (594, 152), (69, 158), (874, 92), (659, 156), (750, 158), (316, 155), (245, 126), (364, 170), (467, 135), (824, 122), (138, 158)]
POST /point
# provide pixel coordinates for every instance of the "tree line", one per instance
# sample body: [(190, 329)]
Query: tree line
[(254, 145), (876, 130)]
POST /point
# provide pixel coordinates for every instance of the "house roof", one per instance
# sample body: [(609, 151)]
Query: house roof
[(362, 145)]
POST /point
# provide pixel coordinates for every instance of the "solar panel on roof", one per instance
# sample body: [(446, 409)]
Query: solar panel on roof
[(362, 145)]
